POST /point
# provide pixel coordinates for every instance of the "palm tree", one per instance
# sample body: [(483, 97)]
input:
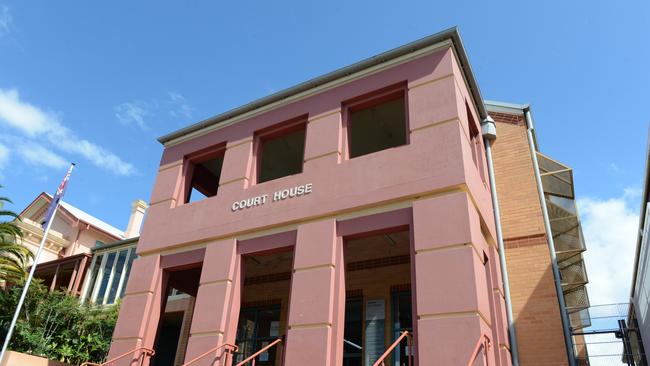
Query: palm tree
[(14, 258)]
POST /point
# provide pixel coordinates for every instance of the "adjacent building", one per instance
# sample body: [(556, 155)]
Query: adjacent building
[(350, 219), (72, 240), (639, 318)]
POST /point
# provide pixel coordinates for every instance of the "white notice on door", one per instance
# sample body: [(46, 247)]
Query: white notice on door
[(375, 309), (274, 331)]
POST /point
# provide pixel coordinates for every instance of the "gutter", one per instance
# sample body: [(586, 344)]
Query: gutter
[(489, 132), (566, 325), (451, 34)]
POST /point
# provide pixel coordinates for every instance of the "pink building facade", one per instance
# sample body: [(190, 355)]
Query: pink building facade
[(339, 254)]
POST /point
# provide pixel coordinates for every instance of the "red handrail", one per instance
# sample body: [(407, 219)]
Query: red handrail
[(390, 349), (146, 352), (252, 357), (483, 343), (231, 348)]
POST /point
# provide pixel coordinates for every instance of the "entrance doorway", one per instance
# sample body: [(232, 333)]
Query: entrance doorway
[(264, 305), (378, 304), (402, 319), (176, 317)]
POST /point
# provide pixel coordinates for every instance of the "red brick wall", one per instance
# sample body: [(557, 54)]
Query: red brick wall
[(534, 302)]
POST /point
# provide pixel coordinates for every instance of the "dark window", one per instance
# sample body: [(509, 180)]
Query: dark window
[(205, 175), (281, 152), (353, 332), (377, 124), (475, 141)]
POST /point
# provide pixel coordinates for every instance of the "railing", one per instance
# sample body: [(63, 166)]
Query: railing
[(229, 348), (409, 341), (146, 352), (252, 357), (483, 344)]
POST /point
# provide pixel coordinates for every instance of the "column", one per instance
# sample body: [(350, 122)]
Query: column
[(139, 315), (502, 342), (216, 310), (317, 305), (453, 311), (323, 140), (237, 165)]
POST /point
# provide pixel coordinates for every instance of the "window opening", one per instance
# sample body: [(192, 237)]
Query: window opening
[(377, 124), (281, 152)]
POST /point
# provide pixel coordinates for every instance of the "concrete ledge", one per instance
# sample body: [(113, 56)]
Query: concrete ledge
[(22, 359)]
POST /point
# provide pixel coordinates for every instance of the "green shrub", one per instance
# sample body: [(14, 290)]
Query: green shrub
[(56, 326)]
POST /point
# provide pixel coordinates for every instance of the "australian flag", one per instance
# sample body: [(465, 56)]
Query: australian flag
[(57, 197)]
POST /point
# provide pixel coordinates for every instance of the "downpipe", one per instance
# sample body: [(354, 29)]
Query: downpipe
[(566, 325), (489, 132)]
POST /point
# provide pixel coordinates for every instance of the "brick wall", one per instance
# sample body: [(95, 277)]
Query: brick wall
[(521, 213), (535, 305), (534, 302)]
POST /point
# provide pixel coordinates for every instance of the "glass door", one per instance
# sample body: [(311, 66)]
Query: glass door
[(402, 321), (258, 326)]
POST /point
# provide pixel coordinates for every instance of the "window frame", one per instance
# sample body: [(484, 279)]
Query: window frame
[(369, 100), (277, 130), (190, 161), (92, 284)]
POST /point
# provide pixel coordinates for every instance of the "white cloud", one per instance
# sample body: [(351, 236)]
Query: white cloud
[(38, 155), (25, 117), (34, 122), (180, 107), (4, 156), (610, 228), (4, 159), (138, 112), (132, 112), (5, 20)]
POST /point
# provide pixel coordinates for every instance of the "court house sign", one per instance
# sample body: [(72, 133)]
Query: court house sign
[(283, 194)]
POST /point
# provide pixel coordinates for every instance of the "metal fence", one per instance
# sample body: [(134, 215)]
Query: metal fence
[(612, 338)]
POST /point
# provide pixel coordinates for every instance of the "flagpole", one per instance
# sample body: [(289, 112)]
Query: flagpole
[(31, 275)]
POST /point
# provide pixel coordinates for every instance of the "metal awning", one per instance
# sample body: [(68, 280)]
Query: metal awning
[(557, 182)]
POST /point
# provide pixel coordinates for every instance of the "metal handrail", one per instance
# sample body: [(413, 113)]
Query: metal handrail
[(409, 340), (483, 343), (146, 352), (233, 348), (254, 355)]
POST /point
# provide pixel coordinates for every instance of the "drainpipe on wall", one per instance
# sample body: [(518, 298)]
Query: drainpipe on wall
[(489, 132), (566, 326)]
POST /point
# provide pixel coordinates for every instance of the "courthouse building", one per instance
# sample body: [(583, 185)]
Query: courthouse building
[(319, 225)]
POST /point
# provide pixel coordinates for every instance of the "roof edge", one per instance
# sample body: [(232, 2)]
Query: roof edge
[(116, 244), (645, 197), (448, 34)]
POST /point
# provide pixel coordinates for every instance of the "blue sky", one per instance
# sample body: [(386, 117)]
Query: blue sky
[(98, 82)]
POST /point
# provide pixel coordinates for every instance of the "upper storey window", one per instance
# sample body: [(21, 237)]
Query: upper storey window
[(204, 170), (281, 150), (475, 141), (377, 122)]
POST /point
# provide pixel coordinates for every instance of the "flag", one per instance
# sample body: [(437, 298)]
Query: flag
[(57, 197)]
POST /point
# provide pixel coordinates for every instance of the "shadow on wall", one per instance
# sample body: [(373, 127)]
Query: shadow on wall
[(535, 307)]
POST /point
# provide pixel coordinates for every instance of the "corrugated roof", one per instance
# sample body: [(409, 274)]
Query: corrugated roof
[(90, 219)]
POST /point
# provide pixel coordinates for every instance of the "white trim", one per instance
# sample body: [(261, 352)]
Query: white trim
[(123, 274), (107, 290), (89, 279), (100, 274)]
